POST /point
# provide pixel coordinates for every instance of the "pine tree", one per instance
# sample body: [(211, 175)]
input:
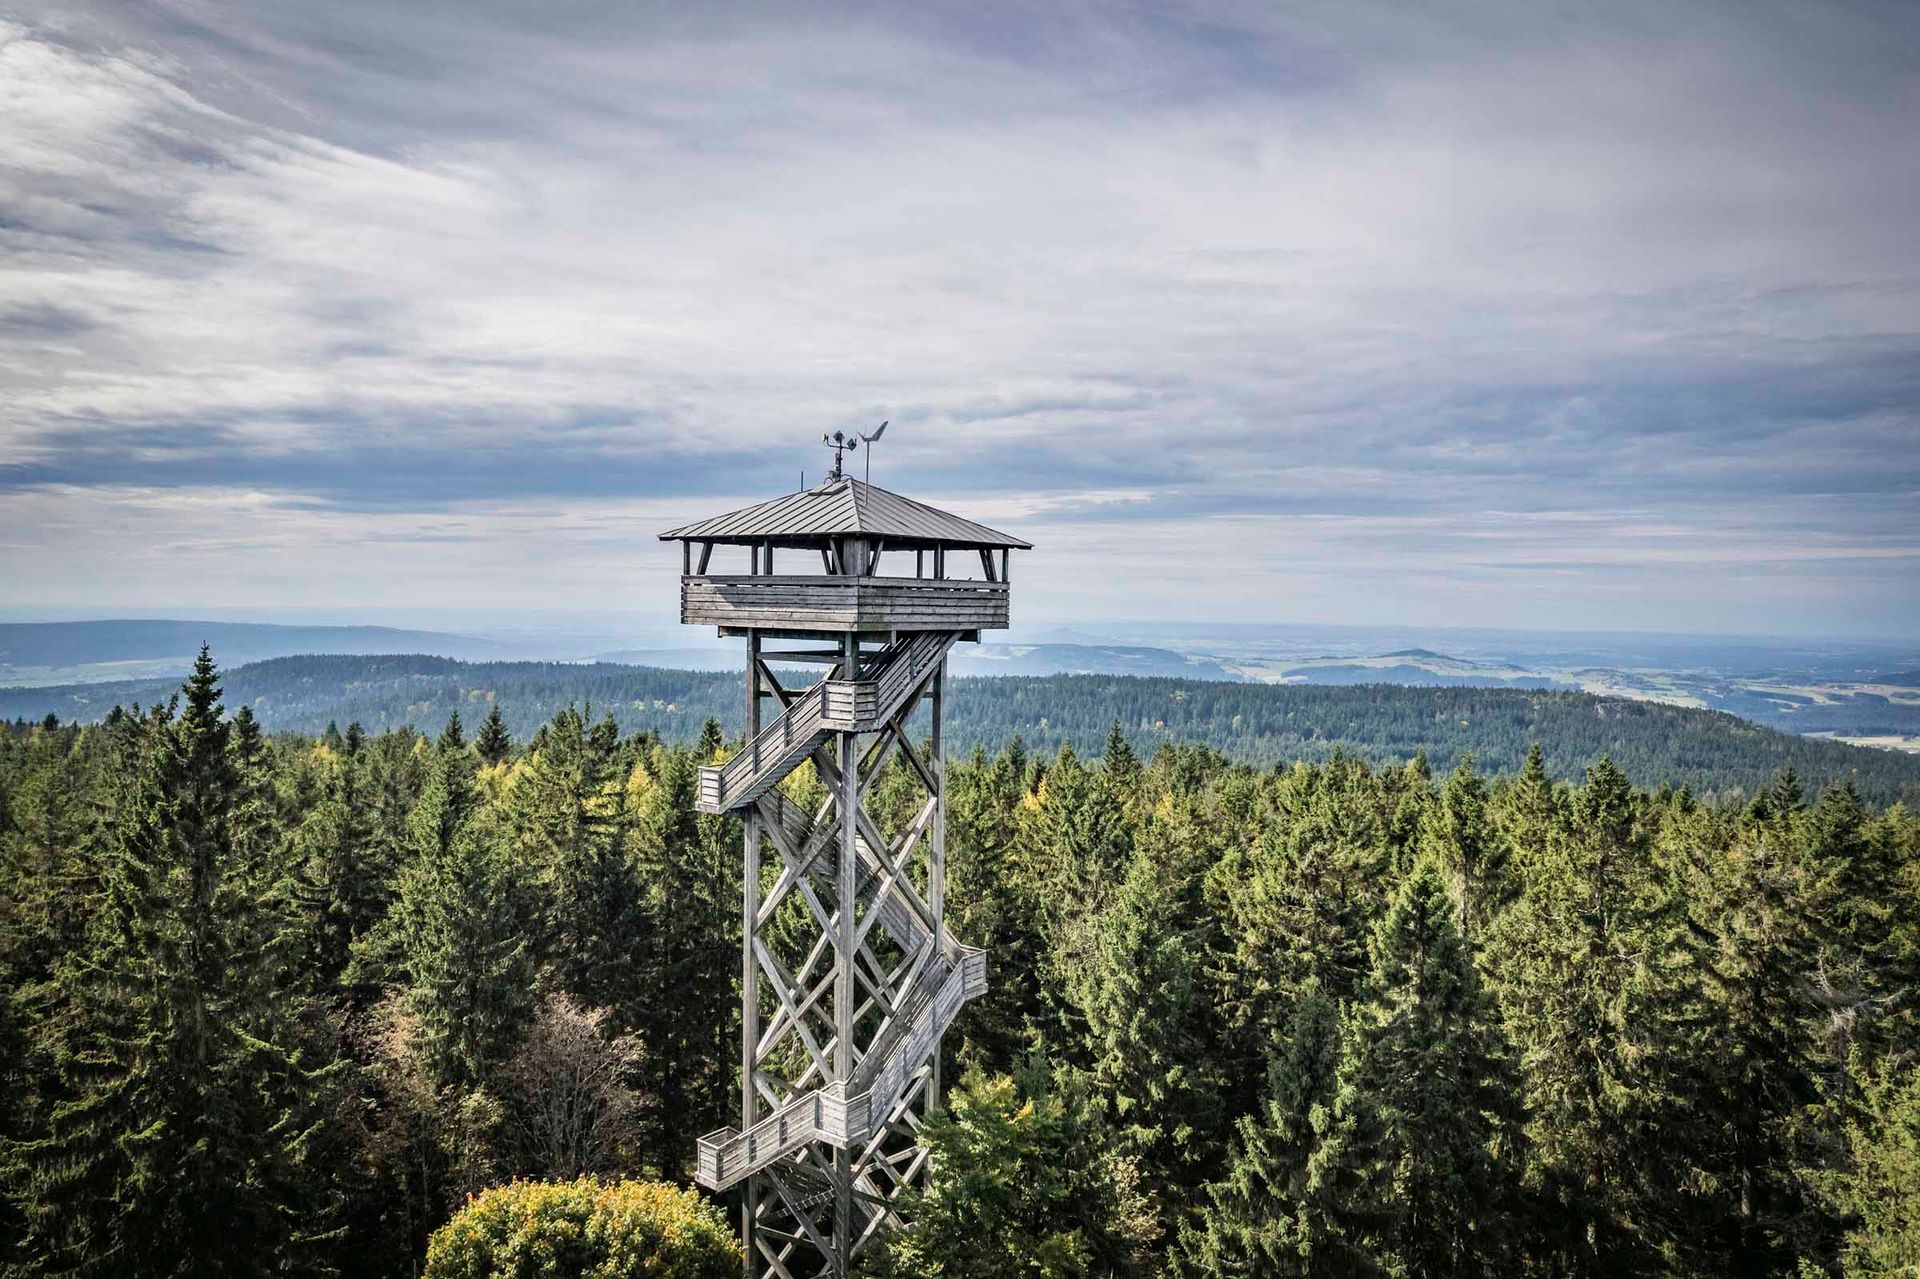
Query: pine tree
[(987, 905), (189, 1082), (1076, 841), (495, 744), (1527, 812), (1120, 767), (1750, 1042), (1877, 1192), (1298, 903), (1851, 902)]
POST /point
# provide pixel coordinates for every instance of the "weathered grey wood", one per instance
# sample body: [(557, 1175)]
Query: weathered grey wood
[(839, 1054), (830, 604)]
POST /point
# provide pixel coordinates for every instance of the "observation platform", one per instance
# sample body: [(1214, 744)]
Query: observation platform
[(826, 603), (887, 565)]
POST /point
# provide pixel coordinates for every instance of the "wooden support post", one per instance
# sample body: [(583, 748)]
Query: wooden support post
[(750, 970), (847, 944), (753, 697), (937, 847)]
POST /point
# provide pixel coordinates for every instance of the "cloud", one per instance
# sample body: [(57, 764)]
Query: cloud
[(1522, 316)]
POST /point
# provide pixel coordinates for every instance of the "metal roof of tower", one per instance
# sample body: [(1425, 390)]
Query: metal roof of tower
[(840, 507)]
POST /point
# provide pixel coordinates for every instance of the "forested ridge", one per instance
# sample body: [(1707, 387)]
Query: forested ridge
[(1716, 754), (279, 1003)]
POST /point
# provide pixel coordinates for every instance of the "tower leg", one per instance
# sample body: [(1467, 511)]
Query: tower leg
[(848, 977)]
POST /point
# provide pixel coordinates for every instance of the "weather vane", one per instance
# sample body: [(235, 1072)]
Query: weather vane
[(842, 442)]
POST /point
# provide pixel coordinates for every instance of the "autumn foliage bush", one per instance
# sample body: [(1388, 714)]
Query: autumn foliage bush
[(588, 1228)]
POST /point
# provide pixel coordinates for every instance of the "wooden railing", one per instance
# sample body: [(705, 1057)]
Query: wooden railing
[(835, 603), (845, 1115)]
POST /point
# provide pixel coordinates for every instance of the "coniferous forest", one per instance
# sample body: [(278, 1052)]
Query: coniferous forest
[(282, 1004)]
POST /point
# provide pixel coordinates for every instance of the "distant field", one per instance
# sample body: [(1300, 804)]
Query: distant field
[(1885, 743)]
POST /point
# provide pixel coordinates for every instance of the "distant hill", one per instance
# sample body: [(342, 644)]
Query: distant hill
[(123, 648), (1412, 676), (982, 659), (1084, 659), (1254, 723)]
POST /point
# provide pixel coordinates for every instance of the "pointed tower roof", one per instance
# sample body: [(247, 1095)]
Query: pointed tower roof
[(843, 507)]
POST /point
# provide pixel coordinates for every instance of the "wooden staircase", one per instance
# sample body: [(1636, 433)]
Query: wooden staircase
[(829, 706)]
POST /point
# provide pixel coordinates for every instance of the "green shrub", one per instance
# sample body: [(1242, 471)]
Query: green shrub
[(585, 1229)]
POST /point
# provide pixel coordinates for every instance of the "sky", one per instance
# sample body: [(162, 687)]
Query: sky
[(1476, 314)]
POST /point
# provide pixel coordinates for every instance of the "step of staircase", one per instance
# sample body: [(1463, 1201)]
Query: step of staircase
[(843, 1115)]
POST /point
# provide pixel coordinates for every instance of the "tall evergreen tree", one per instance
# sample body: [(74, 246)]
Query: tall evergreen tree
[(1267, 1217), (1024, 1184), (189, 1086), (1298, 902), (1144, 1038), (453, 737), (689, 869), (1458, 831), (988, 905), (494, 744), (1424, 1109), (1585, 964), (459, 932), (343, 872), (568, 818)]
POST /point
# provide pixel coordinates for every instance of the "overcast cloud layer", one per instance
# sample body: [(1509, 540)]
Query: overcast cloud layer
[(1486, 315)]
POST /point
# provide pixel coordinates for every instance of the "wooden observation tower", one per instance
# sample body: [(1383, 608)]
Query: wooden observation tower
[(848, 976)]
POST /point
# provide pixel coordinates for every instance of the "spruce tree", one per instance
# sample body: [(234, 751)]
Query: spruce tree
[(987, 904), (1424, 1114), (1458, 832), (1298, 903), (1587, 966), (1750, 1042), (689, 878), (1024, 1181), (459, 932), (494, 744), (342, 872), (1267, 1217), (189, 1082), (568, 815), (1145, 1039), (1076, 842)]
